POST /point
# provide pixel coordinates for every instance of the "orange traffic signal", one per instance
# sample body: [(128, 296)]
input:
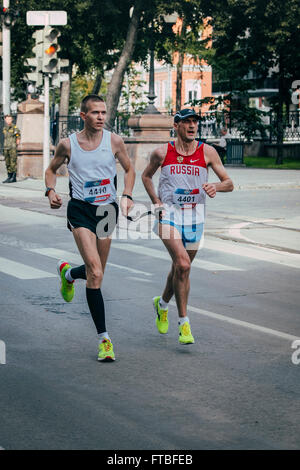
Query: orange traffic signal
[(51, 49)]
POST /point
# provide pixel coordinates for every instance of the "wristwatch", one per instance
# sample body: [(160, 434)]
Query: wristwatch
[(127, 195), (48, 191)]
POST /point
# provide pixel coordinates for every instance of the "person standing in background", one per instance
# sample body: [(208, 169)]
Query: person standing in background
[(12, 137)]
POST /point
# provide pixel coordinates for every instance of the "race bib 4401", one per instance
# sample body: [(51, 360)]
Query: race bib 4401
[(97, 192), (186, 197)]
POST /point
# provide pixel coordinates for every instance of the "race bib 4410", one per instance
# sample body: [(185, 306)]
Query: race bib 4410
[(97, 192)]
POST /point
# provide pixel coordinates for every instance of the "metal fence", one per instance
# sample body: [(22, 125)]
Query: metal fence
[(63, 126), (211, 124), (291, 126)]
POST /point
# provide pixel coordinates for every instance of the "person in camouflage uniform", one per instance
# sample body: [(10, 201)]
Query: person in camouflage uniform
[(11, 141)]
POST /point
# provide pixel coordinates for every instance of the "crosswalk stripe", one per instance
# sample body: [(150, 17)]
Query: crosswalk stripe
[(58, 254), (269, 255), (22, 271), (153, 253), (76, 259), (234, 321)]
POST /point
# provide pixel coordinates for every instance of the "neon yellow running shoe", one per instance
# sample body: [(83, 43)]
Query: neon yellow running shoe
[(106, 351), (161, 320), (67, 288), (185, 334)]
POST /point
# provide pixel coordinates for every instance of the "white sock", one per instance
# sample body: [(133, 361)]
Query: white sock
[(182, 320), (68, 275), (103, 336), (163, 305)]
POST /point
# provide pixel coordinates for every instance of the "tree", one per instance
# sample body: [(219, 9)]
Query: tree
[(261, 36), (90, 41), (147, 29), (186, 39), (115, 86)]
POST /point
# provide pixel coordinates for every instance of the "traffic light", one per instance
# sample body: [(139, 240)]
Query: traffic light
[(50, 49), (35, 75), (60, 76), (35, 63), (37, 49), (9, 16)]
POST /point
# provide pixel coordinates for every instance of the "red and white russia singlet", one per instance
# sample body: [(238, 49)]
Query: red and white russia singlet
[(180, 186)]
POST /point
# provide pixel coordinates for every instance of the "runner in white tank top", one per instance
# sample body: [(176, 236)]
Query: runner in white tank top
[(93, 173), (91, 156), (182, 191)]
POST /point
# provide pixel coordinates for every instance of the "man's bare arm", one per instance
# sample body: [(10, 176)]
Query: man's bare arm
[(156, 160), (225, 185), (121, 154), (62, 152)]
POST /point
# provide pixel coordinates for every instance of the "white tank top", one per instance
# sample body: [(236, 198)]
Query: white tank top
[(93, 173)]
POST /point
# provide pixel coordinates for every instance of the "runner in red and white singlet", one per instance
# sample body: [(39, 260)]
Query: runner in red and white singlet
[(183, 186), (180, 190)]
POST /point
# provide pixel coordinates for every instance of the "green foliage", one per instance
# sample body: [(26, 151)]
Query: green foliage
[(93, 31), (256, 35), (246, 119), (95, 34), (270, 162), (133, 96)]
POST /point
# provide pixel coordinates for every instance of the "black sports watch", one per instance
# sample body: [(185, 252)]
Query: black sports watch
[(48, 191), (127, 195)]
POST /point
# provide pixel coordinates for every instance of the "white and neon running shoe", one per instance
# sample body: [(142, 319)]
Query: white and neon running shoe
[(67, 288), (161, 320), (106, 351), (185, 334)]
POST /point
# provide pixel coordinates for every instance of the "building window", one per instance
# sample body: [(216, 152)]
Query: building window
[(192, 90)]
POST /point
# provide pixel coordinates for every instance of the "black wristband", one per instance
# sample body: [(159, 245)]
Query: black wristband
[(48, 191), (127, 195)]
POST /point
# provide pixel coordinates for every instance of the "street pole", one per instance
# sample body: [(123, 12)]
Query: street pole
[(6, 64), (46, 18), (151, 108), (46, 144)]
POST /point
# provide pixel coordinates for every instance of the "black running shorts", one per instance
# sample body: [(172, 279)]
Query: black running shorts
[(83, 214)]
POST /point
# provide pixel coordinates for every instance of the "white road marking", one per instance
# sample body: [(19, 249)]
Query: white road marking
[(153, 253), (22, 271), (76, 259), (291, 260), (136, 271), (234, 321), (235, 231), (16, 216), (139, 279), (58, 254)]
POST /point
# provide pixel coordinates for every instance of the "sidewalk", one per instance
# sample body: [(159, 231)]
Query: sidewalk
[(243, 179)]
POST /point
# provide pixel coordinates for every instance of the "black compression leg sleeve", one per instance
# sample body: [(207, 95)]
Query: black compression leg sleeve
[(78, 273), (96, 306)]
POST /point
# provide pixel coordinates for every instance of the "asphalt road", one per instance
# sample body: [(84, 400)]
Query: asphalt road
[(235, 388)]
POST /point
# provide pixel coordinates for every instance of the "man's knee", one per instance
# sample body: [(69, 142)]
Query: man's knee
[(182, 266), (94, 273)]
